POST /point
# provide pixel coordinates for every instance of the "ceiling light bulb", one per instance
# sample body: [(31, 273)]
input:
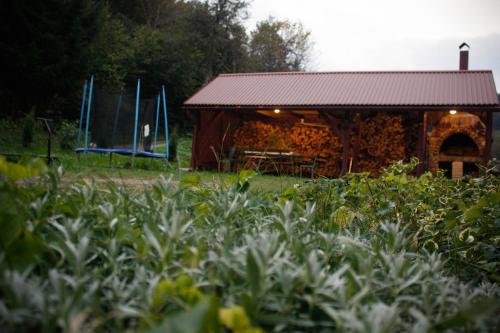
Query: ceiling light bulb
[(276, 110), (453, 111)]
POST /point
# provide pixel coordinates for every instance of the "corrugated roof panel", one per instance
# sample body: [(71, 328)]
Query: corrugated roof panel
[(429, 88)]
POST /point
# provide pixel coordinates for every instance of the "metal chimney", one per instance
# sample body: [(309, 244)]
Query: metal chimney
[(464, 56)]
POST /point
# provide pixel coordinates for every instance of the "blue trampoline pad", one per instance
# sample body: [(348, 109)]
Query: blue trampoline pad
[(120, 152)]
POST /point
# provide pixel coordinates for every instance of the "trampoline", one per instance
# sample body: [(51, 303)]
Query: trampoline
[(114, 122), (121, 152)]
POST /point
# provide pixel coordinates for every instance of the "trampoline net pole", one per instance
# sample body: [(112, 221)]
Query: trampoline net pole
[(82, 110), (88, 114), (134, 148), (167, 148), (156, 122)]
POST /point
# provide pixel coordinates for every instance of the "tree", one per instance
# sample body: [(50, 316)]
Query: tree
[(279, 46), (111, 51), (49, 47), (43, 52), (226, 36)]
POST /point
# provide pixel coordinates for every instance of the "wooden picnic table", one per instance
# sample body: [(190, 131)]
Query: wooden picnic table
[(267, 160)]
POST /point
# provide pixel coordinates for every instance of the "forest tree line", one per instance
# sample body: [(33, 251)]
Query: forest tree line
[(49, 47)]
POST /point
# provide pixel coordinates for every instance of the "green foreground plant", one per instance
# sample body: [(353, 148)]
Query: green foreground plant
[(354, 254)]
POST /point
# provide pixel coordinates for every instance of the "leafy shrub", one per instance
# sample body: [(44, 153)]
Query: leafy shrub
[(28, 129), (67, 134), (19, 244), (337, 255), (11, 132), (456, 218)]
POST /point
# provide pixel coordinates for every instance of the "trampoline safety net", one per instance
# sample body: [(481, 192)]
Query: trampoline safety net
[(117, 125)]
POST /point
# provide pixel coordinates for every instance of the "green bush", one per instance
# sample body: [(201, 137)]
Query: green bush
[(458, 218), (11, 132), (344, 255), (67, 134), (28, 134)]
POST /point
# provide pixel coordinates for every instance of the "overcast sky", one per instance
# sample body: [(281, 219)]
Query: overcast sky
[(393, 34)]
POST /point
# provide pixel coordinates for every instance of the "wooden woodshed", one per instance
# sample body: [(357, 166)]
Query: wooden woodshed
[(350, 121)]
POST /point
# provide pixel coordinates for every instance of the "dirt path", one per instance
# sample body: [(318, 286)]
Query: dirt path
[(137, 182), (126, 182)]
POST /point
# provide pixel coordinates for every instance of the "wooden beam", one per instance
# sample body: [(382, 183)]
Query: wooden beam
[(338, 110), (331, 122)]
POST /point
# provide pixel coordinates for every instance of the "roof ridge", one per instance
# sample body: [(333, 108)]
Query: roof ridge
[(357, 72), (450, 87)]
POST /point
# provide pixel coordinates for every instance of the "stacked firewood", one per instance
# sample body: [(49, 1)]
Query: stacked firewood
[(257, 134), (320, 143), (382, 142), (306, 141)]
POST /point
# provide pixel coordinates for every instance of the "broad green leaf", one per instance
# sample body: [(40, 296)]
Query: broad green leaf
[(11, 228), (468, 313), (253, 273), (343, 216), (24, 250), (16, 172), (246, 175), (12, 217), (234, 318), (190, 321), (191, 181)]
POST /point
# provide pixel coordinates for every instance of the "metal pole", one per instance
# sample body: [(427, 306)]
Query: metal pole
[(134, 148), (88, 114), (117, 115), (166, 122), (157, 119), (82, 110)]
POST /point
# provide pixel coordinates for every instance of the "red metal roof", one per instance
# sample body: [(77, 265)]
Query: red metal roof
[(409, 88)]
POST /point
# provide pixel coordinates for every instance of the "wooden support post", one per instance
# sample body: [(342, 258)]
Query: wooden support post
[(420, 147), (355, 164), (346, 142), (489, 128), (194, 116), (425, 155), (340, 130)]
